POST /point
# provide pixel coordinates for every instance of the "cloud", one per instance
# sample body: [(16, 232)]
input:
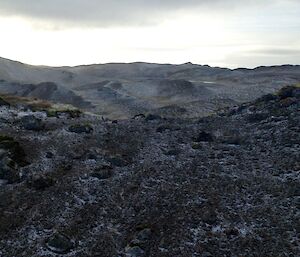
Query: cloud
[(276, 52), (101, 13)]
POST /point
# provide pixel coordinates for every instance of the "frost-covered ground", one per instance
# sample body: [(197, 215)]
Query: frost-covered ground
[(224, 185)]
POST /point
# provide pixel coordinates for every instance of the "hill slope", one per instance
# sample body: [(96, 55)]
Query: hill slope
[(224, 185)]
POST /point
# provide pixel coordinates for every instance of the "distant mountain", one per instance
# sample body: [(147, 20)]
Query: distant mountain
[(122, 90)]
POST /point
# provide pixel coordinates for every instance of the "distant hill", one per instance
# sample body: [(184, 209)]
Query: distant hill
[(122, 90)]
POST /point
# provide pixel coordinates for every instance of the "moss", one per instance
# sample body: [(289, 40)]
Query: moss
[(5, 138), (56, 110), (52, 110), (3, 102), (196, 146), (286, 92)]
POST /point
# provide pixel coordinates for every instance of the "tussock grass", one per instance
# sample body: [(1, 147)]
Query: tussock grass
[(52, 109)]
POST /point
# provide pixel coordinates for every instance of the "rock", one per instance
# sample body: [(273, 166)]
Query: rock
[(256, 117), (231, 232), (103, 172), (172, 152), (30, 122), (12, 157), (49, 155), (151, 117), (163, 128), (286, 92), (286, 102), (41, 183), (204, 137), (142, 237), (117, 161), (266, 98), (86, 128), (60, 244), (134, 251), (139, 116)]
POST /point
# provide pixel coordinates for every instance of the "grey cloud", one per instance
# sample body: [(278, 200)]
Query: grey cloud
[(264, 56), (277, 52), (111, 12)]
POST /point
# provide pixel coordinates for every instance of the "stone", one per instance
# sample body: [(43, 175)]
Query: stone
[(49, 155), (151, 117), (12, 156), (30, 122), (286, 92), (79, 128), (163, 128), (139, 116), (104, 172), (117, 161), (173, 152), (256, 117), (41, 183), (204, 137), (134, 251), (60, 244)]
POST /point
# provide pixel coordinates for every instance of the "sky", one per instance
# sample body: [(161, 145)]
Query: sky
[(226, 33)]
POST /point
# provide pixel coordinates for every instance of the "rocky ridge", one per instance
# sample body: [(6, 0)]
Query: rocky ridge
[(122, 90)]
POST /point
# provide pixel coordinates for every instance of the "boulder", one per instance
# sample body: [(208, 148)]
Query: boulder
[(103, 172), (81, 128), (30, 122), (12, 157), (204, 137), (60, 244)]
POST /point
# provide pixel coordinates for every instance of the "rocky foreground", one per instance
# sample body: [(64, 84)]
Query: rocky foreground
[(224, 185)]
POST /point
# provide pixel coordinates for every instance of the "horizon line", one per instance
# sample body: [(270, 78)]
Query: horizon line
[(145, 62)]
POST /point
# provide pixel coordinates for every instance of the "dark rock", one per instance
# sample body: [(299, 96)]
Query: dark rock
[(142, 237), (257, 117), (117, 161), (60, 244), (286, 102), (232, 232), (104, 172), (163, 128), (41, 183), (266, 98), (49, 155), (204, 137), (150, 117), (134, 251), (139, 116), (286, 92), (12, 157), (173, 152), (86, 128), (32, 123)]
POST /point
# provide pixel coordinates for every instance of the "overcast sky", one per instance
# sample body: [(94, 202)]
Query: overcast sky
[(229, 33)]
